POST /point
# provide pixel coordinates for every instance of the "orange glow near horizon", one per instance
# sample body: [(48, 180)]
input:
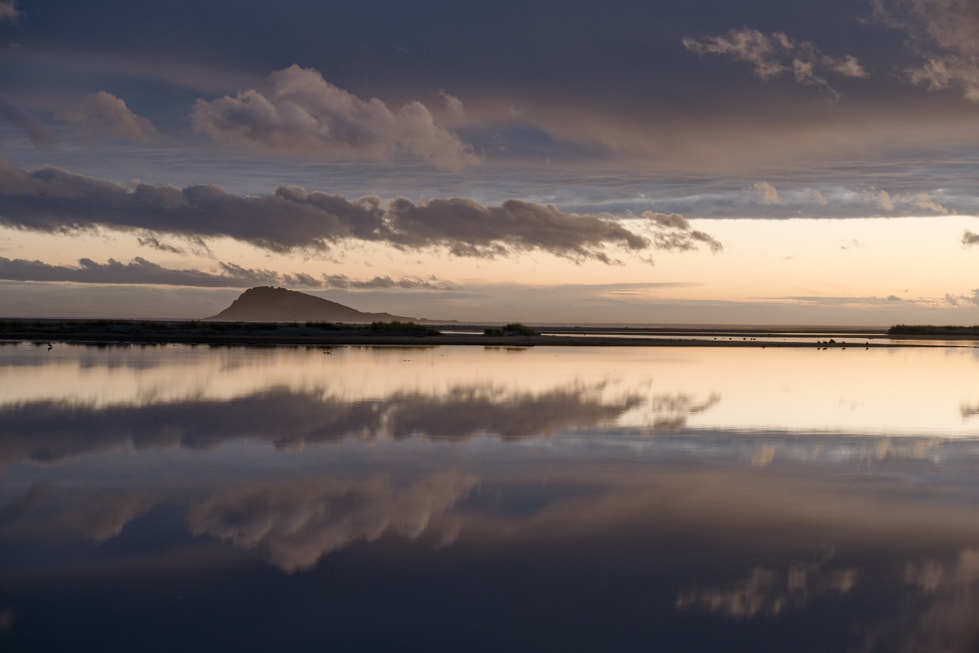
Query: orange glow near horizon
[(705, 388)]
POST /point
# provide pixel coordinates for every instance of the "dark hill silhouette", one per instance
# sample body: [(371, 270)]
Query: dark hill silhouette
[(268, 304)]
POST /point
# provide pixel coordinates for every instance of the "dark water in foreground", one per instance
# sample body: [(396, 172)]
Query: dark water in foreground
[(445, 499)]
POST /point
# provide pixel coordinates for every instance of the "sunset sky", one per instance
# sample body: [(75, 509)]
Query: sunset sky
[(701, 161)]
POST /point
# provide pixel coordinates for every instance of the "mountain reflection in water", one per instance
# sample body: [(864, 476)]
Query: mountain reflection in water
[(162, 498)]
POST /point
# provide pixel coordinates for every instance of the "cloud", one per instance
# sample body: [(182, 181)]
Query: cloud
[(92, 515), (195, 244), (51, 431), (104, 114), (141, 271), (948, 622), (40, 136), (959, 300), (911, 203), (467, 412), (294, 524), (775, 53), (672, 232), (342, 281), (745, 45), (671, 412), (37, 494), (9, 11), (884, 201), (846, 301), (968, 411), (54, 200), (304, 114), (925, 202), (768, 591), (943, 33), (100, 517), (768, 193), (969, 239), (157, 244), (454, 108)]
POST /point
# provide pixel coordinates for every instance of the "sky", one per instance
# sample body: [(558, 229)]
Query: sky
[(694, 162)]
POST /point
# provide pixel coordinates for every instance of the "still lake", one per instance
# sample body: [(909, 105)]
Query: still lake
[(165, 498)]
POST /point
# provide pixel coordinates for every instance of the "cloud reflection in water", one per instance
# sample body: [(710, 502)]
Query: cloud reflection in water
[(49, 431), (296, 523), (590, 506)]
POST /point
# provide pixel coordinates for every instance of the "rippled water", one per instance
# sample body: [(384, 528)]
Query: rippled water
[(462, 498)]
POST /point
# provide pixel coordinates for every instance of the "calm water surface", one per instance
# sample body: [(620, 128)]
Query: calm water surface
[(467, 499)]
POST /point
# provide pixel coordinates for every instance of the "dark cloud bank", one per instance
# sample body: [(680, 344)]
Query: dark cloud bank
[(51, 200), (141, 271)]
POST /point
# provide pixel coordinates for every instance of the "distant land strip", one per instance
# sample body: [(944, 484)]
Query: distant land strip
[(931, 331), (110, 331)]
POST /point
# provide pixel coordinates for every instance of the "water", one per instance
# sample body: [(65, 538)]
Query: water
[(461, 498)]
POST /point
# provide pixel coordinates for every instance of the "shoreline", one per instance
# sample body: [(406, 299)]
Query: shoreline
[(122, 332)]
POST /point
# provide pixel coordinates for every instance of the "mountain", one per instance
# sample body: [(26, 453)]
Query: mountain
[(267, 304)]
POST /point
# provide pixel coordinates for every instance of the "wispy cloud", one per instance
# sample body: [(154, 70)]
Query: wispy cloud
[(943, 33), (862, 301), (231, 275), (104, 114), (9, 11), (957, 301), (52, 199), (342, 281), (141, 271), (672, 232), (40, 135), (301, 113), (770, 591), (773, 54), (947, 621)]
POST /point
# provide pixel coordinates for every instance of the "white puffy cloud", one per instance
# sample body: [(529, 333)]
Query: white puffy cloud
[(104, 114), (301, 113)]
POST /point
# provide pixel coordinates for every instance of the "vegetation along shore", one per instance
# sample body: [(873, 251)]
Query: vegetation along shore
[(409, 333)]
